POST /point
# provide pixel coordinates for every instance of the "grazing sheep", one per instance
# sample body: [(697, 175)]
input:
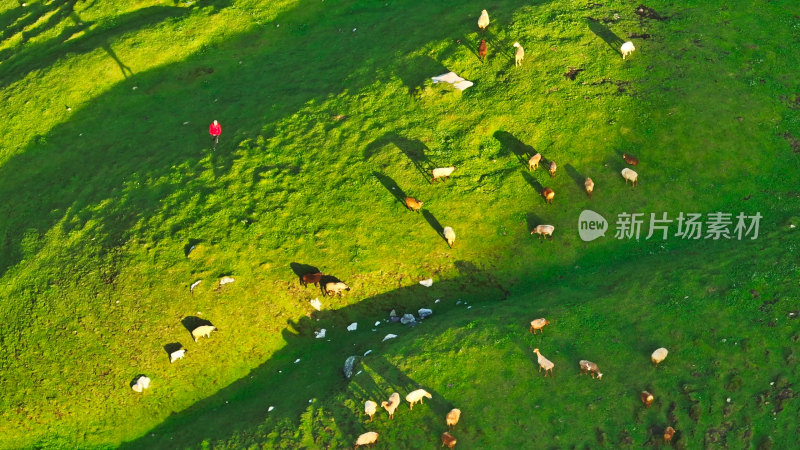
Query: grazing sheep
[(533, 163), (544, 231), (336, 287), (448, 440), (310, 278), (482, 49), (452, 417), (367, 438), (548, 195), (483, 20), (647, 398), (442, 172), (141, 384), (538, 324), (203, 331), (668, 433), (589, 186), (630, 159), (626, 49), (552, 169), (413, 204), (544, 363), (176, 355), (417, 396), (631, 176), (449, 235), (391, 405), (369, 408), (590, 368), (658, 355), (519, 55)]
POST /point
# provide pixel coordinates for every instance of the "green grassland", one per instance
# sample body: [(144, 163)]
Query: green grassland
[(115, 204)]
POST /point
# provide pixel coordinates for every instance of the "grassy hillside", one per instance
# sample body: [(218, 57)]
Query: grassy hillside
[(115, 204)]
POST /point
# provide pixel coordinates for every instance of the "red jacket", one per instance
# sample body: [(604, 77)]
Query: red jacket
[(215, 130)]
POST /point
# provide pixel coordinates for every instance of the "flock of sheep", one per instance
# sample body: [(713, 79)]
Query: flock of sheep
[(443, 173), (452, 418), (544, 230)]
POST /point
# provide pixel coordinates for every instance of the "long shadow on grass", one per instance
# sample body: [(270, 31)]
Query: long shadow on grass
[(19, 61), (391, 186), (414, 149), (111, 165), (605, 33), (510, 144), (287, 386)]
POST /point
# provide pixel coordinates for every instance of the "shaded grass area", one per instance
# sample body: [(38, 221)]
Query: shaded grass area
[(105, 203), (730, 381)]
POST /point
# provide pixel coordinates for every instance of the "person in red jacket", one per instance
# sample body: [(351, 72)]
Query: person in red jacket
[(215, 129)]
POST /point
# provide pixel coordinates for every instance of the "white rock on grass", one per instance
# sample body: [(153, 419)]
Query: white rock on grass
[(367, 352), (407, 319), (349, 363), (427, 283), (194, 285), (424, 313), (270, 408), (225, 280), (320, 334), (316, 304), (297, 360), (389, 336), (377, 323), (352, 327)]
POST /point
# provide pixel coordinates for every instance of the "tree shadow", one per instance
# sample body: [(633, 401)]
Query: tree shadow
[(513, 146), (437, 227), (604, 33), (391, 186), (414, 150), (415, 71), (579, 179), (19, 61)]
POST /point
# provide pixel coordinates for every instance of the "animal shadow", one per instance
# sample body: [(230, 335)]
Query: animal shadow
[(192, 322), (604, 33), (533, 182), (579, 179), (303, 269), (414, 150), (437, 227), (514, 146), (391, 186)]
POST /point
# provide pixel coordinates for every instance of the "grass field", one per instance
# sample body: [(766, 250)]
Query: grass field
[(115, 204)]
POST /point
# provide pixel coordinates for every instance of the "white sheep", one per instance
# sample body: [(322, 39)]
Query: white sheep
[(391, 405), (141, 383), (544, 363), (483, 20), (367, 438), (519, 55), (442, 172), (590, 368), (543, 231), (452, 418), (203, 331), (335, 288), (176, 355), (658, 355), (417, 396), (449, 235), (631, 176), (369, 408), (626, 49)]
